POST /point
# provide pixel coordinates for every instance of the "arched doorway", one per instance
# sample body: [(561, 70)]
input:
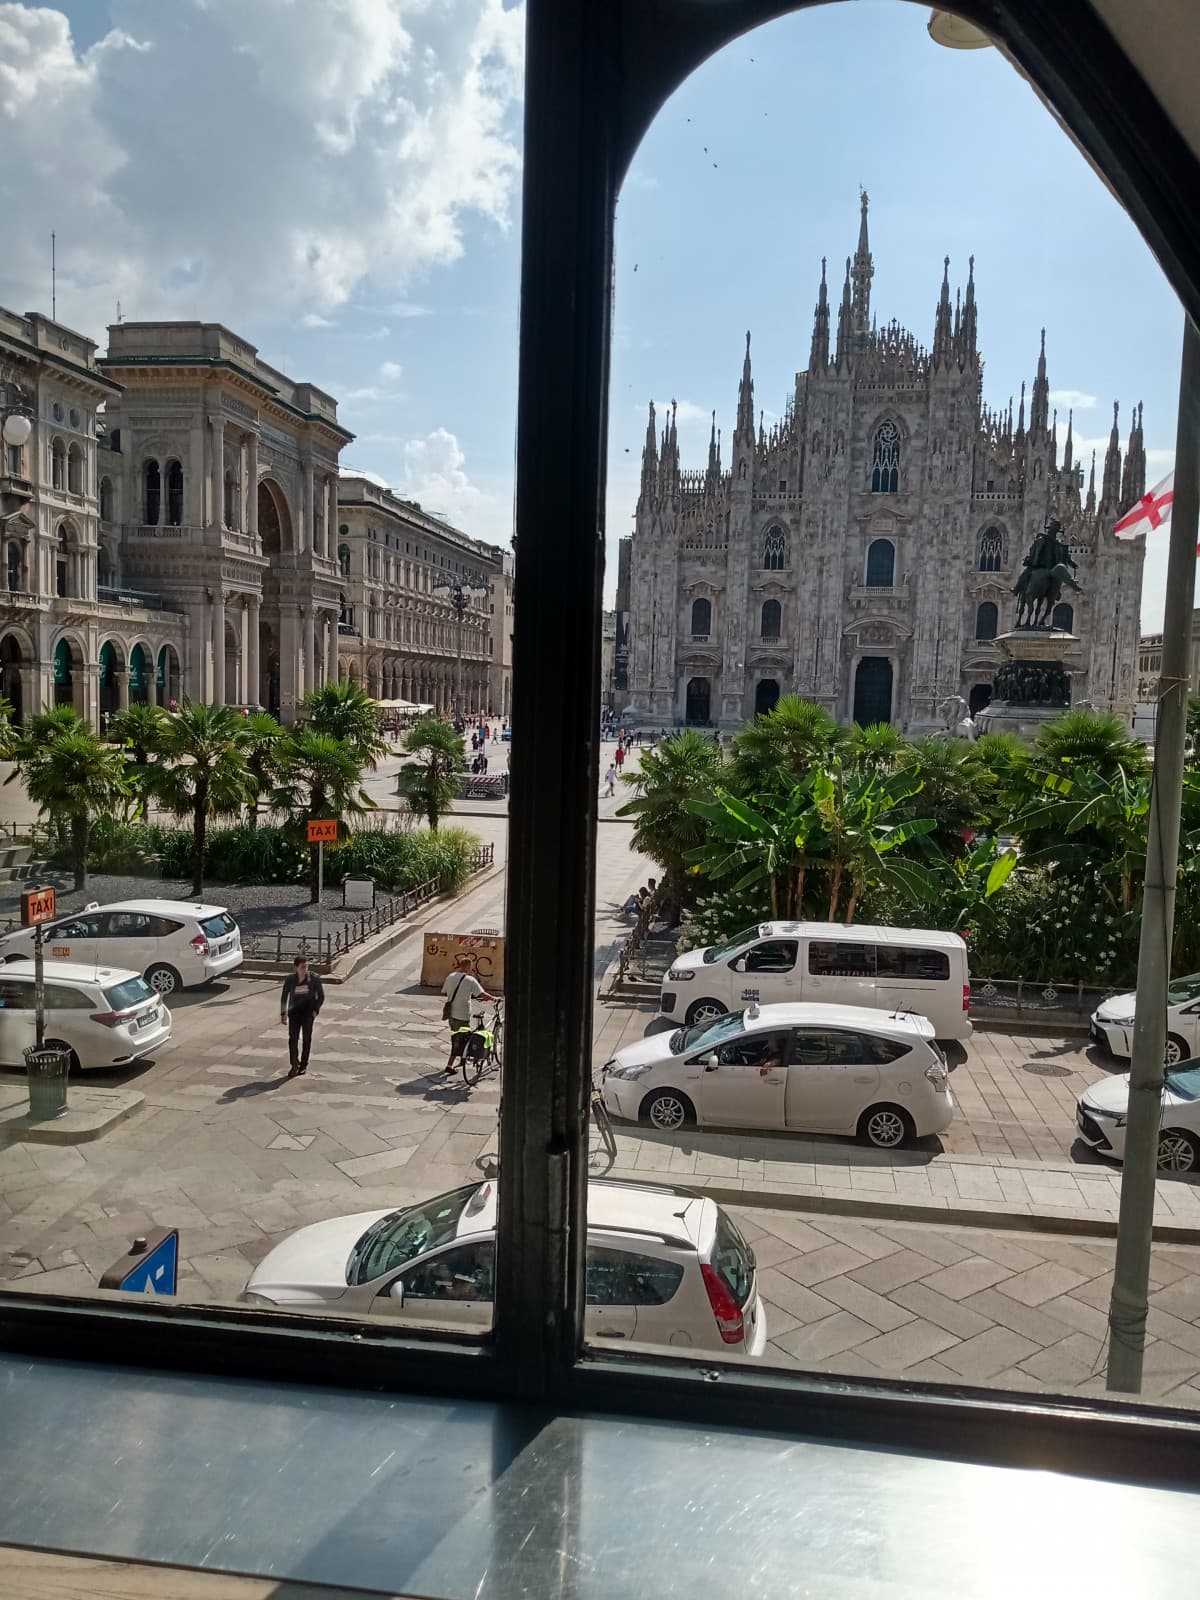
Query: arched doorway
[(699, 699), (873, 691), (980, 696), (10, 676), (233, 666), (274, 519), (139, 676), (65, 664), (167, 681), (110, 694), (766, 696), (268, 667)]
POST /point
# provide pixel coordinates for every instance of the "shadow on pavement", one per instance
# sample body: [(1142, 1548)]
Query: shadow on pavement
[(766, 1144), (246, 1091)]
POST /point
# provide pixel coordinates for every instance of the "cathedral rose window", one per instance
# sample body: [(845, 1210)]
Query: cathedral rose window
[(885, 459)]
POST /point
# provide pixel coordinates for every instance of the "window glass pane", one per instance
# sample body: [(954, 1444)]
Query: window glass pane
[(65, 997), (401, 1235), (903, 961), (130, 993), (840, 959)]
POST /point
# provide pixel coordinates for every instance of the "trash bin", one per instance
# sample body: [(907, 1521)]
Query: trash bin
[(47, 1069)]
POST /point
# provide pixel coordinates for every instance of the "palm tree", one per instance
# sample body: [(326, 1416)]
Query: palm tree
[(773, 842), (1088, 739), (779, 748), (954, 784), (877, 747), (140, 727), (203, 772), (855, 811), (319, 776), (261, 736), (71, 778), (685, 767), (347, 712), (429, 783)]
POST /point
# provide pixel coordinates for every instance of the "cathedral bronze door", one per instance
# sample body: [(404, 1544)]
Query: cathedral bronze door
[(873, 691), (766, 696), (698, 700)]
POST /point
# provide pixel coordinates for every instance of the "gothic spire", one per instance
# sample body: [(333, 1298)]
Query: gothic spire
[(1110, 488), (969, 322), (1021, 415), (843, 327), (1040, 404), (818, 356), (1069, 447), (1090, 507), (942, 339), (745, 411), (714, 454), (863, 272), (649, 458), (1133, 484)]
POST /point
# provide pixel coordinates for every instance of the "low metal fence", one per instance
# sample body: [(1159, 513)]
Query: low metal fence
[(1027, 997)]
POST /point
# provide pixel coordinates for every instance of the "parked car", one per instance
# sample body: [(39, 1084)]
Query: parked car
[(1101, 1111), (1112, 1021), (174, 944), (105, 1016), (803, 1068), (664, 1266), (915, 969)]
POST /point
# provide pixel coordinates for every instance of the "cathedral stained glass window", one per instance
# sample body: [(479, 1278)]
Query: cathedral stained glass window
[(774, 550), (701, 618), (881, 564), (991, 550), (885, 459)]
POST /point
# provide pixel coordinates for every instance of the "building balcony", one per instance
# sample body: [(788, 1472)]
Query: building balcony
[(875, 594), (347, 630), (20, 600), (140, 599), (15, 488)]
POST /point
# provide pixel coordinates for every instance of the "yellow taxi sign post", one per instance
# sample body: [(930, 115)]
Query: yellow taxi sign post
[(321, 831), (37, 906)]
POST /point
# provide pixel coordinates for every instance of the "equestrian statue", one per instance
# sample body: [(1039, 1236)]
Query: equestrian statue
[(1045, 571)]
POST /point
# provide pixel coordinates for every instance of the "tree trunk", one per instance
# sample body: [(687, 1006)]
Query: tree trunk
[(80, 829), (835, 890), (199, 832), (852, 903)]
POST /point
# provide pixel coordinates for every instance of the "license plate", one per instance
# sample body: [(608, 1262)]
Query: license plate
[(146, 1018), (220, 948)]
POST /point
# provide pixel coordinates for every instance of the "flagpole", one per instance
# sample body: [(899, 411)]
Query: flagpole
[(1129, 1303)]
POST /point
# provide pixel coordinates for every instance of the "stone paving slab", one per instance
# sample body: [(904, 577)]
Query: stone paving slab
[(89, 1114), (964, 1305)]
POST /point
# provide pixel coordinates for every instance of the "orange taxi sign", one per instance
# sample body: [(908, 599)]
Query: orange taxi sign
[(37, 905), (323, 831)]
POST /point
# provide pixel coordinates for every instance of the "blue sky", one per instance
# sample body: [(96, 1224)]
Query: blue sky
[(399, 294)]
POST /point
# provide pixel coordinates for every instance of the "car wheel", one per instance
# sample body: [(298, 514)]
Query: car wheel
[(667, 1110), (1177, 1050), (886, 1127), (61, 1044), (704, 1011), (1177, 1151), (162, 978)]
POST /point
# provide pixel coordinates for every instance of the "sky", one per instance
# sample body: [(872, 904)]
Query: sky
[(339, 181)]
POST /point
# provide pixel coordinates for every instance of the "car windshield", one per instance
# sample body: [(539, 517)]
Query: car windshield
[(1185, 1084), (120, 996), (214, 927), (403, 1235), (706, 1033), (719, 952), (1184, 989)]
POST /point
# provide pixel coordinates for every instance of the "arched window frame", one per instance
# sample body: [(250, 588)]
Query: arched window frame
[(105, 497), (991, 549), (58, 465), (1064, 616), (151, 492), (771, 620), (880, 570), (987, 620), (232, 519), (701, 617), (174, 487), (774, 549), (344, 560), (886, 443), (75, 466)]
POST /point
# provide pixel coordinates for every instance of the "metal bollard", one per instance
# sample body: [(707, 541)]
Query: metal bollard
[(47, 1070)]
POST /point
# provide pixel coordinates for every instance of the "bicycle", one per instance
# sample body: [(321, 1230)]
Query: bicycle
[(602, 1122), (482, 1052)]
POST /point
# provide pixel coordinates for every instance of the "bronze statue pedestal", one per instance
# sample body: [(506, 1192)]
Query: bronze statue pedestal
[(1032, 686)]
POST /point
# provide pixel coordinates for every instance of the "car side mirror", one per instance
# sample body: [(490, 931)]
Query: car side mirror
[(738, 964), (396, 1292), (711, 1063)]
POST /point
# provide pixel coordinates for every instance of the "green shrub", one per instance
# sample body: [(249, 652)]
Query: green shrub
[(400, 861), (255, 855)]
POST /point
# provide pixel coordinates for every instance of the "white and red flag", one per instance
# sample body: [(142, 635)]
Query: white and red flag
[(1153, 510)]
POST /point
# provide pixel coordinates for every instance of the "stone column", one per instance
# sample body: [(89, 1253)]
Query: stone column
[(122, 676), (315, 654), (218, 647), (331, 641), (307, 540), (253, 685), (216, 473), (252, 495), (291, 671), (331, 511), (245, 697)]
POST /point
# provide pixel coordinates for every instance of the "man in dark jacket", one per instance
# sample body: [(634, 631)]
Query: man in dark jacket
[(303, 996)]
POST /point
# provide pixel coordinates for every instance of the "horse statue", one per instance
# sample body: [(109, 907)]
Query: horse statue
[(1046, 570)]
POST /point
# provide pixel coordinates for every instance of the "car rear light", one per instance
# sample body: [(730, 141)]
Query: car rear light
[(724, 1307), (966, 997), (200, 945), (937, 1074), (113, 1019)]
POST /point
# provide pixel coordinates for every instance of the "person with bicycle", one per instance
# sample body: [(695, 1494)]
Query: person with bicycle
[(460, 988)]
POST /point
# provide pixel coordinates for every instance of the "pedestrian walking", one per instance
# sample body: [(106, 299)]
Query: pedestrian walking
[(610, 779), (302, 998), (619, 758), (460, 988)]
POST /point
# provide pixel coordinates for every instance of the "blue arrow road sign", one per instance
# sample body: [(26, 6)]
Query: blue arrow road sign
[(151, 1267)]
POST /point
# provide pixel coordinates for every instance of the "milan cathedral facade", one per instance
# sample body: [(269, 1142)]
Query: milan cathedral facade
[(863, 551)]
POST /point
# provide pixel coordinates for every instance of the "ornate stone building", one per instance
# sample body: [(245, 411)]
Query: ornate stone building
[(500, 605), (398, 633), (862, 552)]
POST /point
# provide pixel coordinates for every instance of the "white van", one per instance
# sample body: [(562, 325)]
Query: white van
[(837, 963)]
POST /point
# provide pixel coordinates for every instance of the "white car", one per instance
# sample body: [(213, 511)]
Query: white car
[(1112, 1021), (174, 944), (664, 1266), (1101, 1111), (803, 1068), (104, 1016)]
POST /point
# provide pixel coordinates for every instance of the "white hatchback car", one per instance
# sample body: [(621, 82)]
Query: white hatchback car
[(104, 1016), (664, 1266), (1112, 1021), (1102, 1109), (804, 1068), (174, 944)]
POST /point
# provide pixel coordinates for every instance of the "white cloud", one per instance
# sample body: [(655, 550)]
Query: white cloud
[(1072, 399), (390, 371), (352, 139), (436, 475), (313, 319)]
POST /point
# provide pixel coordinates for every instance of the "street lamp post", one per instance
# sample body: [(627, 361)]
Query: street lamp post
[(459, 592)]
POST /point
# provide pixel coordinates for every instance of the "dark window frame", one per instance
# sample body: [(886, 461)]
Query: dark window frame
[(597, 73)]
